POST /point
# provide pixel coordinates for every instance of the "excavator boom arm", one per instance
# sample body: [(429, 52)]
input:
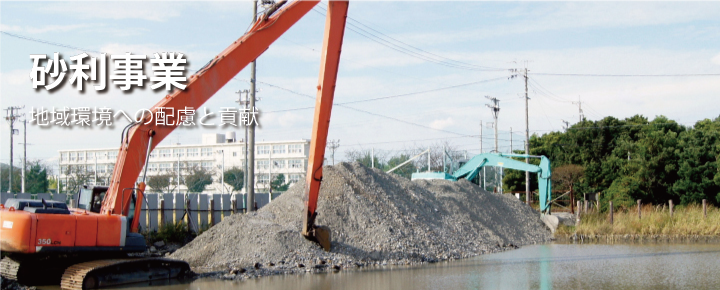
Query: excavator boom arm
[(201, 86), (472, 168), (332, 44)]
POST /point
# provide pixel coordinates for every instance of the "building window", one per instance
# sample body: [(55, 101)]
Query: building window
[(63, 157), (73, 156), (91, 168), (192, 152), (179, 152), (278, 149), (294, 178), (234, 154), (263, 149), (152, 167), (207, 166), (207, 152), (165, 153), (278, 164), (112, 155), (263, 179), (295, 163), (263, 164), (81, 156), (295, 148), (165, 166), (153, 154)]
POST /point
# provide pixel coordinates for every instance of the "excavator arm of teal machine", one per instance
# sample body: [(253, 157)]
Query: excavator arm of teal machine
[(473, 166)]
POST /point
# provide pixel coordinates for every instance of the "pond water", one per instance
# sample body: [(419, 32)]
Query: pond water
[(547, 266)]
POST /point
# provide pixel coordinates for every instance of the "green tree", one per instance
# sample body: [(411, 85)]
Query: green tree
[(198, 179), (699, 166), (52, 184), (365, 158), (36, 178), (404, 171), (4, 178), (278, 183), (161, 183), (235, 178)]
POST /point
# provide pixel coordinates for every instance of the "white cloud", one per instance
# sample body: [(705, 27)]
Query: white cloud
[(43, 29), (152, 11), (442, 123), (716, 59)]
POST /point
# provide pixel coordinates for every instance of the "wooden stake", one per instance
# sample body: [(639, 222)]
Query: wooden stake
[(162, 212), (639, 208), (212, 212), (704, 208), (670, 202), (611, 212)]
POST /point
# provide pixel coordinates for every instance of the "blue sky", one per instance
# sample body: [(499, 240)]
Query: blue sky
[(555, 37)]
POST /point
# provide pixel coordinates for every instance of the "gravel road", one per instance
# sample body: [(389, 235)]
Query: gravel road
[(376, 219)]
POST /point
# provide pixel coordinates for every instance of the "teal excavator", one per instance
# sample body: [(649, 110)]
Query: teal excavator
[(472, 168)]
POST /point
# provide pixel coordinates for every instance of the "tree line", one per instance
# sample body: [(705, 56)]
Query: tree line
[(633, 158), (38, 179)]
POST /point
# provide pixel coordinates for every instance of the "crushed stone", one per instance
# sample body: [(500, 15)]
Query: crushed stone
[(377, 219)]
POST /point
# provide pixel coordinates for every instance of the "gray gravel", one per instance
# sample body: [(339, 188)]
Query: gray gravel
[(376, 219)]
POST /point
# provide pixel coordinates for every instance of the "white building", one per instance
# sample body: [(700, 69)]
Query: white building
[(287, 157)]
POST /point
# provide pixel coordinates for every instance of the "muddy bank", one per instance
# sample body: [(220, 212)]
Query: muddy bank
[(375, 218)]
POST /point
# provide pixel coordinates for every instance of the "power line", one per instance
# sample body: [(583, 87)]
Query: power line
[(627, 75), (423, 55), (48, 42)]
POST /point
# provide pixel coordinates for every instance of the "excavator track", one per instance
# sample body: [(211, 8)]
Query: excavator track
[(113, 272), (9, 268)]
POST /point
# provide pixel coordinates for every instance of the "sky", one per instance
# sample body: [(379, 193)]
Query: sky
[(432, 64)]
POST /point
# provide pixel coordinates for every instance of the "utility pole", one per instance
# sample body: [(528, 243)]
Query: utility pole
[(270, 163), (11, 117), (495, 108), (481, 140), (567, 125), (222, 175), (511, 140), (250, 189), (333, 144), (178, 174), (244, 103), (481, 152), (580, 111), (527, 138), (24, 154)]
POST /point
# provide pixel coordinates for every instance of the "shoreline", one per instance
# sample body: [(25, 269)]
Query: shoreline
[(637, 238)]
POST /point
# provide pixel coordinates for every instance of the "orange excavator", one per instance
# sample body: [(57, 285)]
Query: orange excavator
[(91, 246)]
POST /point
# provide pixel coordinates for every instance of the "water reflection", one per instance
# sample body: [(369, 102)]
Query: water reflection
[(551, 266)]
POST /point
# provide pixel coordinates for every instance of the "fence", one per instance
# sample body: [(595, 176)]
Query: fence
[(205, 210)]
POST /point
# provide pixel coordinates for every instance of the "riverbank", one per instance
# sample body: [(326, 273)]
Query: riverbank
[(654, 223)]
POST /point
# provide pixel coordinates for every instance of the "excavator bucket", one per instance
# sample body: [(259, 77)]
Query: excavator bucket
[(320, 235)]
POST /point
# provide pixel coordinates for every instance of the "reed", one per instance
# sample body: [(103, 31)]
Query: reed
[(656, 220)]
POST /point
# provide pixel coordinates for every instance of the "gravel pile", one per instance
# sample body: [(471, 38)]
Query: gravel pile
[(375, 218)]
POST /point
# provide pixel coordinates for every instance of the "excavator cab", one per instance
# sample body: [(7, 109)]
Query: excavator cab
[(90, 198)]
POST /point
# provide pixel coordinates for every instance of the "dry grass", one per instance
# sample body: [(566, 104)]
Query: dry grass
[(656, 220)]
